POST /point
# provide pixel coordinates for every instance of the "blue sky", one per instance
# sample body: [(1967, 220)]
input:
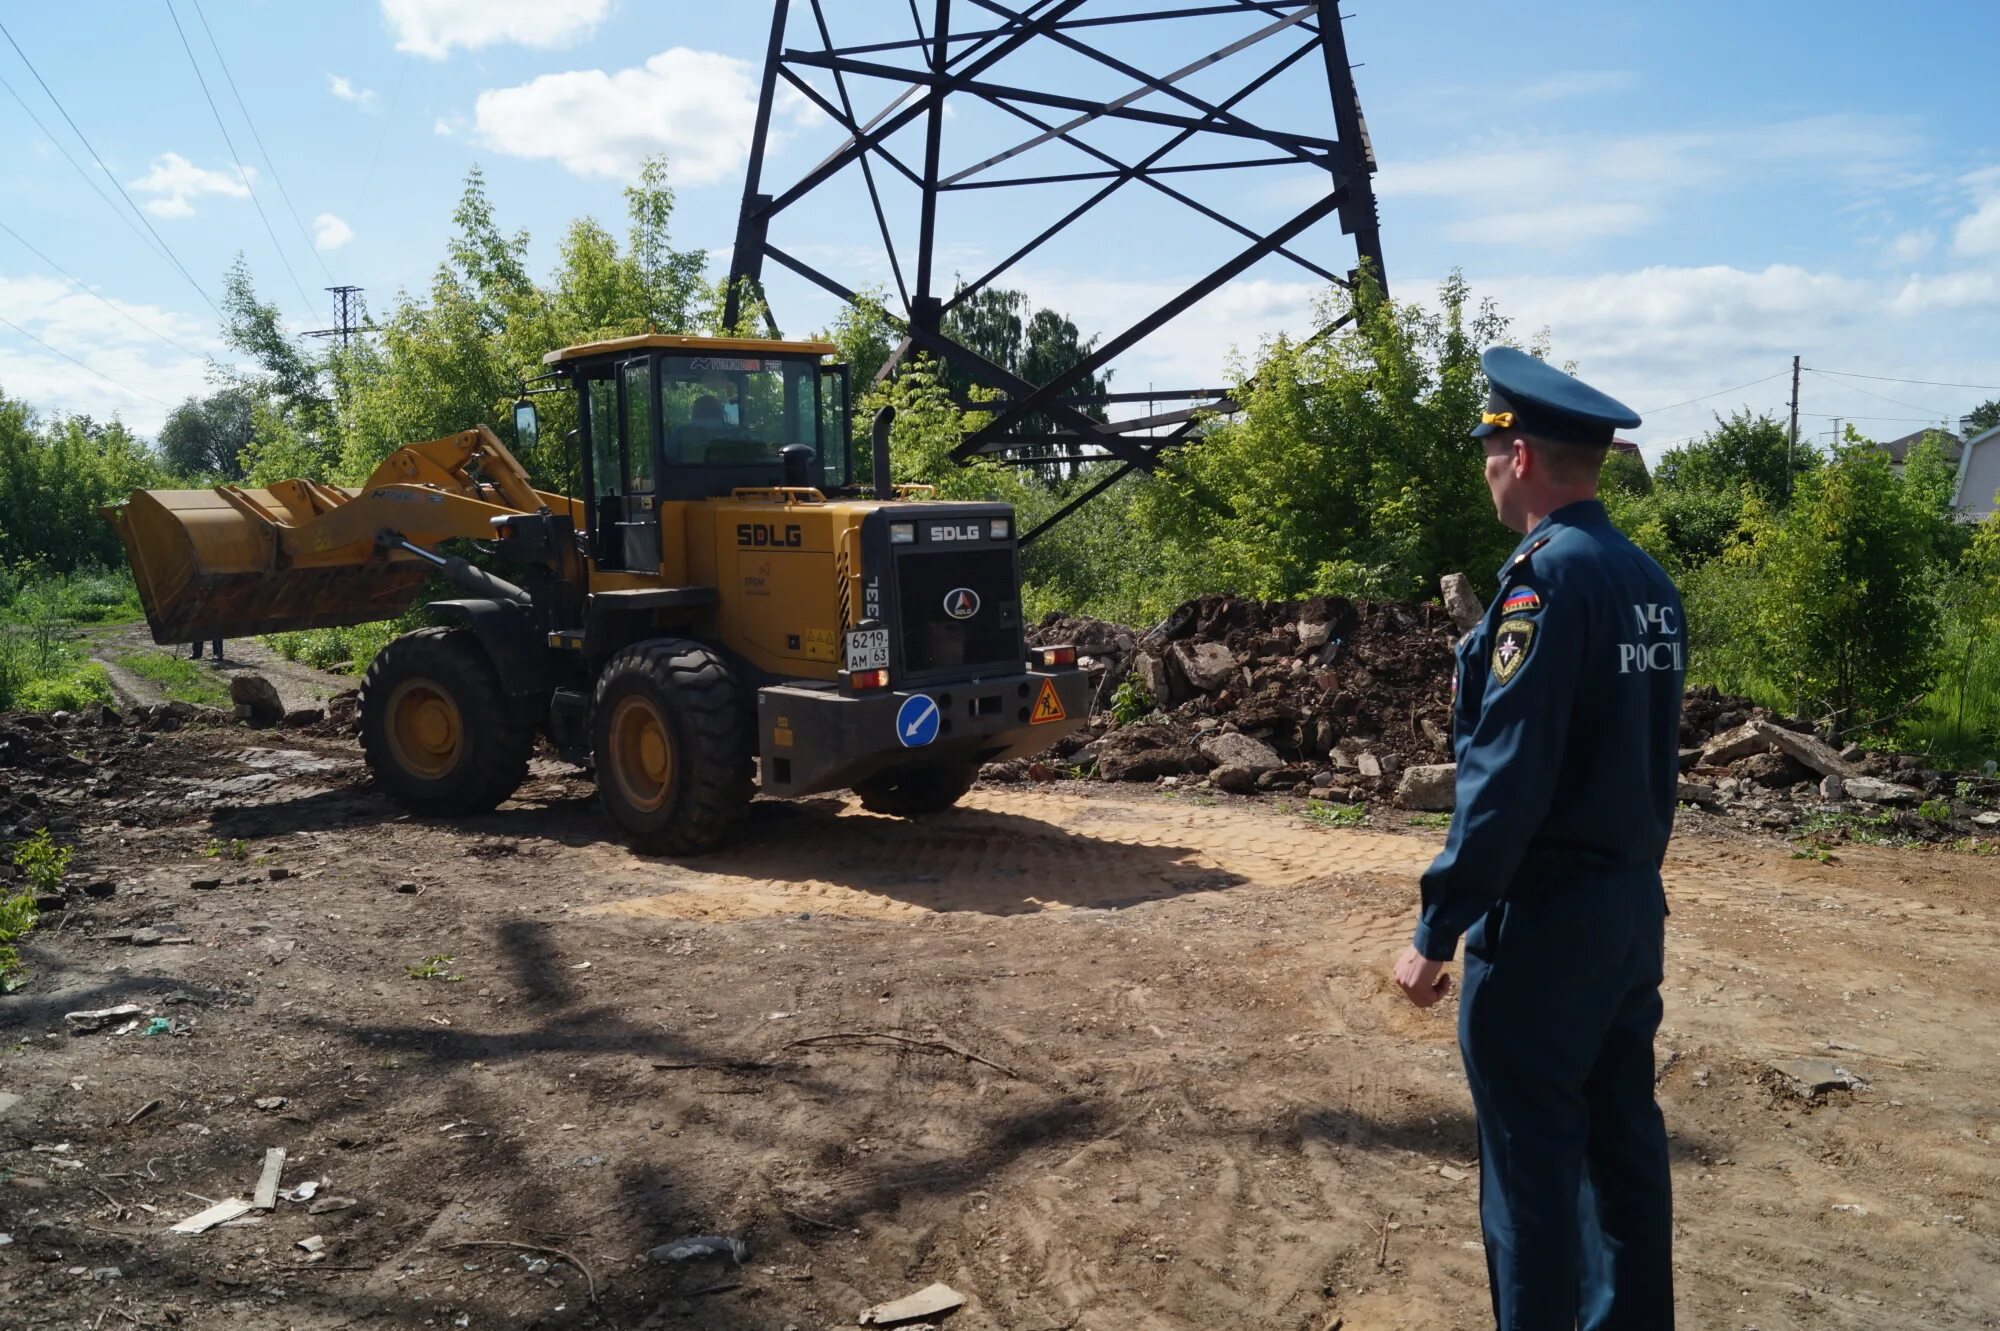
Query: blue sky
[(1683, 195)]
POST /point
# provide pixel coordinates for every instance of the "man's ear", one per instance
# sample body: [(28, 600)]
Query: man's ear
[(1524, 456)]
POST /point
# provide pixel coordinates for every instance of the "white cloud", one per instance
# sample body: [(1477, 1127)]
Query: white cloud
[(1592, 186), (442, 128), (698, 107), (1978, 233), (147, 371), (433, 27), (340, 87), (1553, 226), (176, 180), (1573, 83), (1911, 246), (330, 232)]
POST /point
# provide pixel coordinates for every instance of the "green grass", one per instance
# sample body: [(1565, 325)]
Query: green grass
[(1430, 820), (179, 677), (42, 864), (87, 596), (1335, 815), (347, 650), (43, 665), (434, 967)]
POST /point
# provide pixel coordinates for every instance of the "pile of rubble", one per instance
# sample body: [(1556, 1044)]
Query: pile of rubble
[(1763, 770), (1344, 699)]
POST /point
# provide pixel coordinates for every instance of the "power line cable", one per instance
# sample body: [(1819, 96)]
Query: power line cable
[(1884, 397), (98, 157), (1887, 379), (236, 157), (1717, 393), (388, 117), (79, 364), (88, 291), (269, 161), (70, 157)]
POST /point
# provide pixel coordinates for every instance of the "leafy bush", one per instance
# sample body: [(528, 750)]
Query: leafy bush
[(1130, 701), (42, 863)]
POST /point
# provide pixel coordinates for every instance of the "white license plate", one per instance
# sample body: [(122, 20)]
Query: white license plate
[(868, 649)]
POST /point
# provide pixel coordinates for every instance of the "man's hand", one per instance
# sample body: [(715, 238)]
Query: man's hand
[(1422, 980)]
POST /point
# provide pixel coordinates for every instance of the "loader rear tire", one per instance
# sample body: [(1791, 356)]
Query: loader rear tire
[(914, 794), (436, 727), (672, 750)]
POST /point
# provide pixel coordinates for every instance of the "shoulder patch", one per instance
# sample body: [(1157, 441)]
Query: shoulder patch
[(1521, 601), (1511, 642)]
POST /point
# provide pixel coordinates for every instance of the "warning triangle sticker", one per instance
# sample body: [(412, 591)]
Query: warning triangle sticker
[(1048, 707)]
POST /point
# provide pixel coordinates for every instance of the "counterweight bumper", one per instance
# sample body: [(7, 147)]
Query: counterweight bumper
[(816, 737)]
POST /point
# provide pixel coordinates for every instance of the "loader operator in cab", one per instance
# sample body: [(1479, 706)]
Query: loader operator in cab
[(1566, 734)]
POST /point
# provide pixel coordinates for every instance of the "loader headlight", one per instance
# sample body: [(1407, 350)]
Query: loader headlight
[(1002, 529), (902, 533)]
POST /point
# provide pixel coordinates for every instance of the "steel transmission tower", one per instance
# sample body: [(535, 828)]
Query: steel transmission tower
[(1213, 109), (348, 315)]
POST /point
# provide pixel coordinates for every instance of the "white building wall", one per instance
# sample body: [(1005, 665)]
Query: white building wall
[(1979, 476)]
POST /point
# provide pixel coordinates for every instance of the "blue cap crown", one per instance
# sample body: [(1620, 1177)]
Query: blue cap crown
[(1536, 398)]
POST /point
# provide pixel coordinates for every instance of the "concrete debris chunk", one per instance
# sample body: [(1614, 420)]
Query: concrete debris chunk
[(1208, 666), (1432, 788), (313, 1244), (266, 1196), (203, 1221), (1460, 601), (931, 1301), (97, 1019), (1811, 1078), (256, 700), (1807, 750), (326, 1204), (1234, 750), (1875, 791), (159, 935), (1735, 745)]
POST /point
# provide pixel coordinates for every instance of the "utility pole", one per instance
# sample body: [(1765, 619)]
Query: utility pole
[(345, 309), (1792, 444)]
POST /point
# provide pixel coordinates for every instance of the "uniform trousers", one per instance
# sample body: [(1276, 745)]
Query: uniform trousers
[(1560, 1006)]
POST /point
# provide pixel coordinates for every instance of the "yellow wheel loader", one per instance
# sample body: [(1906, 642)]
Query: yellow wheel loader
[(722, 610)]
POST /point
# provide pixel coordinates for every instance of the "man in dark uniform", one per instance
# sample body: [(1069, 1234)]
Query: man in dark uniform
[(1567, 729)]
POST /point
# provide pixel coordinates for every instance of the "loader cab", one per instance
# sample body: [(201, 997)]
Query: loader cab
[(664, 419)]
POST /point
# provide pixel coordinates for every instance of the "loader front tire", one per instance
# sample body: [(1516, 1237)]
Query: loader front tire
[(672, 751), (436, 727), (914, 794)]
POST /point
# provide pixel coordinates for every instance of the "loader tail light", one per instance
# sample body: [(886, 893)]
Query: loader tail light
[(861, 680), (1050, 657)]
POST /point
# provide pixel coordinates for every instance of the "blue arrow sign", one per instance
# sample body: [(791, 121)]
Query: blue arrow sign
[(917, 721)]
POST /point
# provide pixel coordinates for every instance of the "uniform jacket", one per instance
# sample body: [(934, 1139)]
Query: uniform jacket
[(1566, 728)]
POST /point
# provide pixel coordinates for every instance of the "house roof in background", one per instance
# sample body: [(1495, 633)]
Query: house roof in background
[(1898, 449)]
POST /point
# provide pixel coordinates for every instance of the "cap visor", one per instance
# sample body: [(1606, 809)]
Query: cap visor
[(1481, 431)]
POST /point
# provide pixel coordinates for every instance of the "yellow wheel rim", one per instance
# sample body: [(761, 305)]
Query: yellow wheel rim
[(426, 733), (642, 756)]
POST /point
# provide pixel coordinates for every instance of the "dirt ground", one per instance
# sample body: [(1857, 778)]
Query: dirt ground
[(1096, 1059)]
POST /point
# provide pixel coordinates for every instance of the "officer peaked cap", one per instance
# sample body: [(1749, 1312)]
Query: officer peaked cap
[(1536, 398)]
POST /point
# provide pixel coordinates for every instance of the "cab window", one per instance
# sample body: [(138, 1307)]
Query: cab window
[(737, 410)]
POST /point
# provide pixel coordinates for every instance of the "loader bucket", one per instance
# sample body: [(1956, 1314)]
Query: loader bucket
[(213, 564)]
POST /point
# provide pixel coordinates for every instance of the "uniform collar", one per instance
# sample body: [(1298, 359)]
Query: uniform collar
[(1581, 513)]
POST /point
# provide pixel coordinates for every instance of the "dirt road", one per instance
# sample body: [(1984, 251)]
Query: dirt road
[(298, 685), (1098, 1061)]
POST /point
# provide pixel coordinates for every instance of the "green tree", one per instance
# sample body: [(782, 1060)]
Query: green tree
[(54, 476), (205, 437), (1982, 417), (1849, 613), (1349, 469)]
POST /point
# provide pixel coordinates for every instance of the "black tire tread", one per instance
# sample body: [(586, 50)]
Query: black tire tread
[(713, 778), (500, 741)]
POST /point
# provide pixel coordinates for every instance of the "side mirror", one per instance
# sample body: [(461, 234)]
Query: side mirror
[(798, 461), (526, 427)]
